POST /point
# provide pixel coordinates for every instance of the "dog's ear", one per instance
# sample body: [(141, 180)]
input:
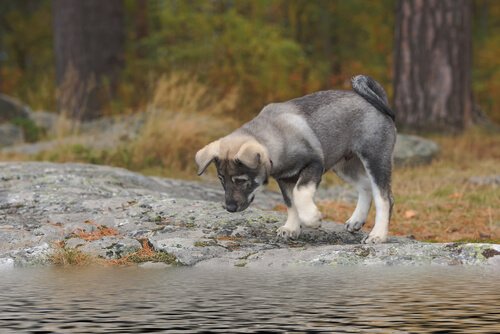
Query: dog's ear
[(251, 154), (206, 155)]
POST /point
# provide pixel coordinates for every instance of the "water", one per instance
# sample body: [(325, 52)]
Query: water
[(338, 300)]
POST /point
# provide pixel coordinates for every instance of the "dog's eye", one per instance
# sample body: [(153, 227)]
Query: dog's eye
[(240, 180), (221, 178)]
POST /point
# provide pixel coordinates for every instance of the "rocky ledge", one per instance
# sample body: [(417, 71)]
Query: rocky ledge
[(111, 213)]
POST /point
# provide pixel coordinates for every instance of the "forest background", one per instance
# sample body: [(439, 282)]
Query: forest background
[(270, 50)]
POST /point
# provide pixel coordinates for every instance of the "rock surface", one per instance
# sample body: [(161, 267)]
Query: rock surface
[(10, 135), (413, 150), (110, 213)]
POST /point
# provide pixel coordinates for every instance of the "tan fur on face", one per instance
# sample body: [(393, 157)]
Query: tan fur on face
[(243, 148), (251, 154), (206, 155)]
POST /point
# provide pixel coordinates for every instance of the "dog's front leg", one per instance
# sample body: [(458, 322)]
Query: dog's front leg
[(303, 195), (291, 229)]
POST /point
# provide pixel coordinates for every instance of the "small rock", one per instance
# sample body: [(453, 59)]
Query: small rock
[(6, 263), (154, 265), (489, 180), (45, 120), (240, 263), (413, 150)]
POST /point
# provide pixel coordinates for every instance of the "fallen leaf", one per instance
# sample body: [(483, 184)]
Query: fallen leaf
[(410, 214)]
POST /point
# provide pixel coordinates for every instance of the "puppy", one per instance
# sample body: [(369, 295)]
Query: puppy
[(296, 142)]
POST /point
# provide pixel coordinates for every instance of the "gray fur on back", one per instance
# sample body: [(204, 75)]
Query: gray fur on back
[(325, 126)]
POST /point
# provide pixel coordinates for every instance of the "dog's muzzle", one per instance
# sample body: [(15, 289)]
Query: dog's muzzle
[(233, 207)]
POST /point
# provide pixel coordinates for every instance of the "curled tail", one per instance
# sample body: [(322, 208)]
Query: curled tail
[(372, 92)]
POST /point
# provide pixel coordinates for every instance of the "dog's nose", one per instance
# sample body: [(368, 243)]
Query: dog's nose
[(231, 207)]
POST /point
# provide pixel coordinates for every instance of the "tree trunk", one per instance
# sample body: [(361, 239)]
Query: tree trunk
[(141, 25), (432, 83), (89, 51)]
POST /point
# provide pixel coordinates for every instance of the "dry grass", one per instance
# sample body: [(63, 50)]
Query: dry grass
[(181, 93), (169, 142), (73, 257), (182, 119), (64, 257), (145, 254), (436, 202), (97, 232)]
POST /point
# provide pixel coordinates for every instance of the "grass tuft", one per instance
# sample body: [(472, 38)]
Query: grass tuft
[(97, 233), (145, 254), (64, 256)]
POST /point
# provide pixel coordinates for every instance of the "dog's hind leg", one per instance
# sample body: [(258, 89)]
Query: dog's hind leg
[(352, 171), (379, 170)]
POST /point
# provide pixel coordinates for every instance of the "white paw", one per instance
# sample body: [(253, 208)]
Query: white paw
[(375, 239), (288, 232), (311, 218), (353, 226)]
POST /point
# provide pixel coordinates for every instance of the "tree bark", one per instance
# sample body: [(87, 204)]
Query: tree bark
[(432, 83), (141, 25), (89, 50)]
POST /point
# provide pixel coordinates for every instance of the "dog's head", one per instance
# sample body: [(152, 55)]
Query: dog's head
[(242, 166)]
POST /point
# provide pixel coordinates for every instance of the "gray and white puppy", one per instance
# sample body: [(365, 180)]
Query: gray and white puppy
[(296, 142)]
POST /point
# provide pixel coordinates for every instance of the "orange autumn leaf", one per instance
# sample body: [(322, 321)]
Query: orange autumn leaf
[(410, 214)]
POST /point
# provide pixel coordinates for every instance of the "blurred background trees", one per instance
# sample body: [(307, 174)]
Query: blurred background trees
[(433, 53), (89, 47), (433, 68), (268, 50)]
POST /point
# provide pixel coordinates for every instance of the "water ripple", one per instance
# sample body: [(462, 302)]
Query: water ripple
[(192, 300)]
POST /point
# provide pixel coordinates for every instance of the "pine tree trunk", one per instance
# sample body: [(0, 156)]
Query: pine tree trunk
[(432, 77), (89, 50)]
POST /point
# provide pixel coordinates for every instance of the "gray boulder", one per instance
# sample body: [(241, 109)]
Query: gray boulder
[(413, 150), (11, 108), (10, 135), (113, 213), (45, 120)]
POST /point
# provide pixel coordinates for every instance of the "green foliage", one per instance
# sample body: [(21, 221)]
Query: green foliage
[(31, 131), (26, 52), (486, 62), (225, 49), (269, 50)]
